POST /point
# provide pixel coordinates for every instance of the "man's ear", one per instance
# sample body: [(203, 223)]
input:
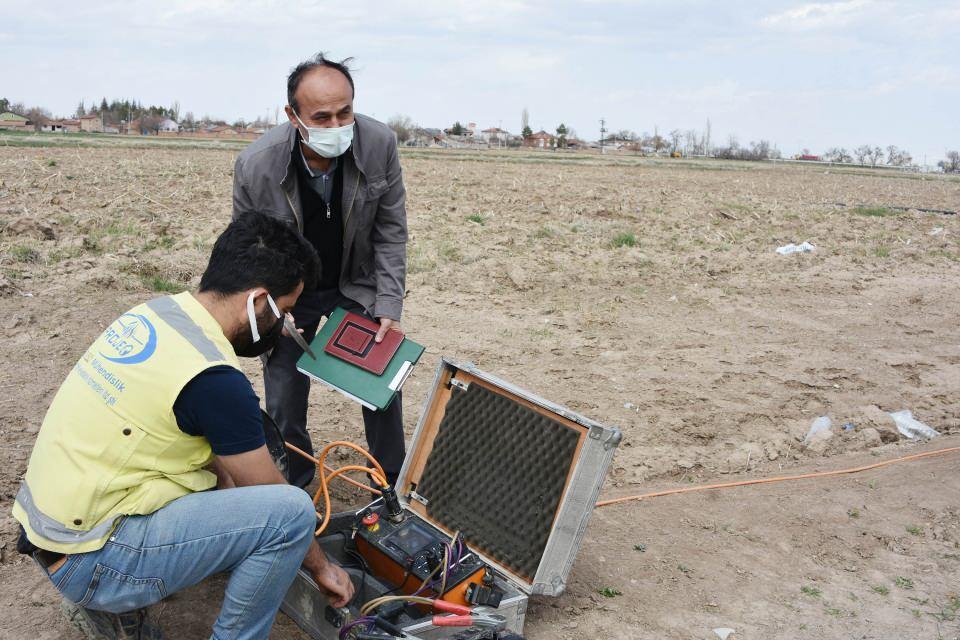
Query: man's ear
[(290, 116), (255, 298)]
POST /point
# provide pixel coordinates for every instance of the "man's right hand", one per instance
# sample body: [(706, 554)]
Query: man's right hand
[(336, 583)]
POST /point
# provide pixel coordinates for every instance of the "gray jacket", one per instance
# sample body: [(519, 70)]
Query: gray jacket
[(374, 264)]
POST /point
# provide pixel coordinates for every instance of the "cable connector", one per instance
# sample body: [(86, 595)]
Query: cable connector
[(392, 504)]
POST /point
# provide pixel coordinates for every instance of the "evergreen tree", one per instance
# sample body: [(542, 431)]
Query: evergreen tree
[(562, 136)]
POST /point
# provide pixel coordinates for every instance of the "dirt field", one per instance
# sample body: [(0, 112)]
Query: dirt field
[(644, 294)]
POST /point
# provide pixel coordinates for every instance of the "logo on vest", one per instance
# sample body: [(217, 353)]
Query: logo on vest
[(129, 340)]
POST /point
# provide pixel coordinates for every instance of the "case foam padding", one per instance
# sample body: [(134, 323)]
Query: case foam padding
[(497, 473)]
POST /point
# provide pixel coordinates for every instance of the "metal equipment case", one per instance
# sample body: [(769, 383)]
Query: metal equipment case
[(517, 475)]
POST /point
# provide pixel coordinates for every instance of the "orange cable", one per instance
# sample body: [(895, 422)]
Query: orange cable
[(377, 475), (743, 483), (343, 443), (328, 468), (324, 479)]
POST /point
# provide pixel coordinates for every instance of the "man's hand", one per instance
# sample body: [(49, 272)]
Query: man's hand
[(331, 579), (287, 333), (385, 325), (335, 583)]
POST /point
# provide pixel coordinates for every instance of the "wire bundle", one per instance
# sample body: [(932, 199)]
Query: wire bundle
[(326, 474)]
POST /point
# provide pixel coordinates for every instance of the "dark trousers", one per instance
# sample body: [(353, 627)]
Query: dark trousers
[(287, 390)]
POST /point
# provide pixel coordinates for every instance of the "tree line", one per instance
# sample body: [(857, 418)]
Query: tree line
[(116, 112)]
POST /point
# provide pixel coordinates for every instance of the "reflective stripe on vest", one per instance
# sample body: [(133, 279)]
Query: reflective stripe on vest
[(49, 528), (174, 315)]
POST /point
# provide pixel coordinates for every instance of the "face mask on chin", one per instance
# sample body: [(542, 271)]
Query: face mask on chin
[(255, 343), (327, 142)]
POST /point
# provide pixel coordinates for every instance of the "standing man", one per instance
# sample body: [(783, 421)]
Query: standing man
[(116, 505), (335, 176)]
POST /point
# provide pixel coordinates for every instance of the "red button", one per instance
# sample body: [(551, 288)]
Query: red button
[(370, 519)]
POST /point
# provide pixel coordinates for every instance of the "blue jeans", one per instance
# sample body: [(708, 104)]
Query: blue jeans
[(259, 534)]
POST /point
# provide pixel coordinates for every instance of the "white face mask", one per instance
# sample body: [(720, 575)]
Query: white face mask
[(328, 142)]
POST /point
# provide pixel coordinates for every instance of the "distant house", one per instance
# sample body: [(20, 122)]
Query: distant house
[(91, 124), (53, 126), (807, 156), (222, 130), (495, 135), (466, 130), (169, 125), (14, 122), (540, 140)]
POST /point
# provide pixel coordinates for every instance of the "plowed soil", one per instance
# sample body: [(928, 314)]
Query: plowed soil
[(641, 293)]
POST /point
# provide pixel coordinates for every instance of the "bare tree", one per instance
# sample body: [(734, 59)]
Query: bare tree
[(952, 162), (175, 111), (862, 153), (690, 142), (37, 117), (837, 154), (403, 126), (760, 150), (675, 136), (893, 154), (876, 155)]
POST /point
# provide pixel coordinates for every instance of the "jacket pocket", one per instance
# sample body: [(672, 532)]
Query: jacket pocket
[(117, 592)]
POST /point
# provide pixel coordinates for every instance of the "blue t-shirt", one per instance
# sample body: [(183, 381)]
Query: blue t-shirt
[(220, 405)]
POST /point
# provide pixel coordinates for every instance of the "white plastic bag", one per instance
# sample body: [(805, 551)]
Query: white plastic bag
[(795, 248), (912, 428), (820, 424)]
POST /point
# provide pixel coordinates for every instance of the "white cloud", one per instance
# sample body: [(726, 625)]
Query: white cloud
[(819, 15)]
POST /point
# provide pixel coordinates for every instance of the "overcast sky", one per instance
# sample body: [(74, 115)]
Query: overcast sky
[(799, 74)]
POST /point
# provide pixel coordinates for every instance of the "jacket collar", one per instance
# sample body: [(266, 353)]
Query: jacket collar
[(355, 152)]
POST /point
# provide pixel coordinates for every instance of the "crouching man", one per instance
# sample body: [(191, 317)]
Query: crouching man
[(116, 504)]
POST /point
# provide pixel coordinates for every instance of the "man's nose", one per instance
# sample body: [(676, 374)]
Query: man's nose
[(335, 121)]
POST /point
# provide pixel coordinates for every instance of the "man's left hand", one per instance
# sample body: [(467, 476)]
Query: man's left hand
[(385, 325), (335, 583)]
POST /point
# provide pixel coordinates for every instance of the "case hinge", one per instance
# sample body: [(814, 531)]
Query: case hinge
[(460, 384), (413, 495)]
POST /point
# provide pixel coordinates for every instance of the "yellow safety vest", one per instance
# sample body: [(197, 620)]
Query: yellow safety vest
[(110, 445)]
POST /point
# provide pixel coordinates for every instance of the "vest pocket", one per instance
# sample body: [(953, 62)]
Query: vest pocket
[(118, 475), (117, 592)]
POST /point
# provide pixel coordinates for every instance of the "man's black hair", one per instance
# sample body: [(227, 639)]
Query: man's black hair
[(319, 60), (256, 250)]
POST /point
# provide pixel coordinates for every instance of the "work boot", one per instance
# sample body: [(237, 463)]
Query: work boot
[(101, 625)]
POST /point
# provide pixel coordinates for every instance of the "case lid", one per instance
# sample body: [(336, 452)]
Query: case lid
[(517, 475)]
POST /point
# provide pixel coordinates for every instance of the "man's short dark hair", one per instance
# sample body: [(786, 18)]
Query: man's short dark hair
[(319, 60), (256, 250)]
